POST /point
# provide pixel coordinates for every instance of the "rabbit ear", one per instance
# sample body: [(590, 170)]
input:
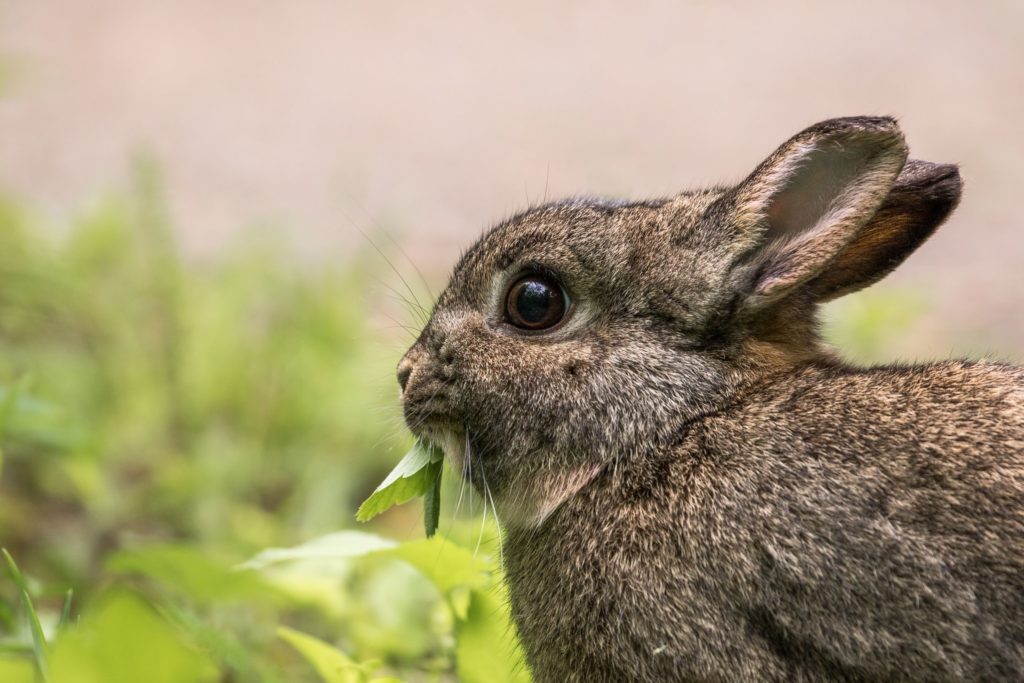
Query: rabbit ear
[(801, 208), (922, 198)]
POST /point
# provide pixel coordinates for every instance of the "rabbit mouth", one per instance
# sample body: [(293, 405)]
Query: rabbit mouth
[(441, 429), (434, 419), (447, 435), (428, 418)]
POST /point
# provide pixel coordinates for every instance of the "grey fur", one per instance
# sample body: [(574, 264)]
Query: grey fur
[(693, 488)]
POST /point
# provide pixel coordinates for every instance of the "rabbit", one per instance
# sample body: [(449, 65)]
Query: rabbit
[(691, 486)]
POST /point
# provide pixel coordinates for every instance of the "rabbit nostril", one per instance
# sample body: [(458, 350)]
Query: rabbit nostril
[(404, 373)]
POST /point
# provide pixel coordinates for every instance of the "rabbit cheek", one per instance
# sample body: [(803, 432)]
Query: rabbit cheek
[(518, 397)]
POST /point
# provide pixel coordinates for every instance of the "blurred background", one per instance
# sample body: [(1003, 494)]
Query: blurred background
[(207, 213)]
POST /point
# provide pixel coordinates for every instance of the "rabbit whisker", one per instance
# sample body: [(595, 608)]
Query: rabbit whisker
[(483, 525), (405, 283), (419, 273), (411, 306), (462, 484), (497, 521)]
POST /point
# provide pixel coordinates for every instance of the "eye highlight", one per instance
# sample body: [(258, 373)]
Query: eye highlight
[(535, 302)]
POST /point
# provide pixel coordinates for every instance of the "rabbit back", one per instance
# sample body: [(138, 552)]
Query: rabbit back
[(835, 523)]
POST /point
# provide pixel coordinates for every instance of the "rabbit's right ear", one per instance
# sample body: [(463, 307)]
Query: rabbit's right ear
[(806, 203)]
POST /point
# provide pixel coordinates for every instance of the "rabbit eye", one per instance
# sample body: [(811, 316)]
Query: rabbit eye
[(535, 302)]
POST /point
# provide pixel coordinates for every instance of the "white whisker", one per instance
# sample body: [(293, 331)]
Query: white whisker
[(462, 484), (483, 525), (497, 521)]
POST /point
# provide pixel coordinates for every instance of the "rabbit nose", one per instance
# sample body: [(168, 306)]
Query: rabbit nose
[(404, 373)]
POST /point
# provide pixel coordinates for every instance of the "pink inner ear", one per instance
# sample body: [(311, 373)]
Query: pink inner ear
[(808, 193), (823, 198)]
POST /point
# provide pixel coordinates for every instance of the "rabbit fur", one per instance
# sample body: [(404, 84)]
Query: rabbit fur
[(693, 488)]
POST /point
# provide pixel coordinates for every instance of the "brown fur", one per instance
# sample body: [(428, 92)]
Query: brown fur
[(693, 488)]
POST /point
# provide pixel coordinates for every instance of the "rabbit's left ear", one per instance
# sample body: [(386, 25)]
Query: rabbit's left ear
[(922, 198), (800, 209)]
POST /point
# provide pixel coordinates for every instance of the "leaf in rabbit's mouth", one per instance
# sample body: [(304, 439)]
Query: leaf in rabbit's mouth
[(417, 474)]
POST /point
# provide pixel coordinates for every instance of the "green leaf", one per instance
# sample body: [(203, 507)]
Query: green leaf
[(123, 640), (17, 671), (191, 572), (486, 649), (486, 646), (459, 599), (311, 573), (333, 665), (38, 638), (337, 546), (412, 477), (446, 565), (29, 420)]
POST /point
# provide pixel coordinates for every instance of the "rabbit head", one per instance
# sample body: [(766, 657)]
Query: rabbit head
[(583, 332)]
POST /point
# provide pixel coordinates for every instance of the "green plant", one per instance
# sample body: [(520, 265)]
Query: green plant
[(417, 474), (167, 418)]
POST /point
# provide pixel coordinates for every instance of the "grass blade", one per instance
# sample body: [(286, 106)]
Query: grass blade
[(65, 612), (38, 638)]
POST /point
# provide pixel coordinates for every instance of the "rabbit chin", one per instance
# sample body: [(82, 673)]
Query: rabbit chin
[(539, 496), (532, 499)]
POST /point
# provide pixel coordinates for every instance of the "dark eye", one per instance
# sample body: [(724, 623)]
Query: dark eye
[(535, 302)]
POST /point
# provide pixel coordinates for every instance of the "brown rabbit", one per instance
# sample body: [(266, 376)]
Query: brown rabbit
[(693, 488)]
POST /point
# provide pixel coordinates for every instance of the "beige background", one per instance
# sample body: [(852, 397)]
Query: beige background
[(433, 119)]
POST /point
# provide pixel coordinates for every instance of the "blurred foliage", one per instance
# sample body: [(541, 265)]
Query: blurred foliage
[(872, 326), (180, 444)]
